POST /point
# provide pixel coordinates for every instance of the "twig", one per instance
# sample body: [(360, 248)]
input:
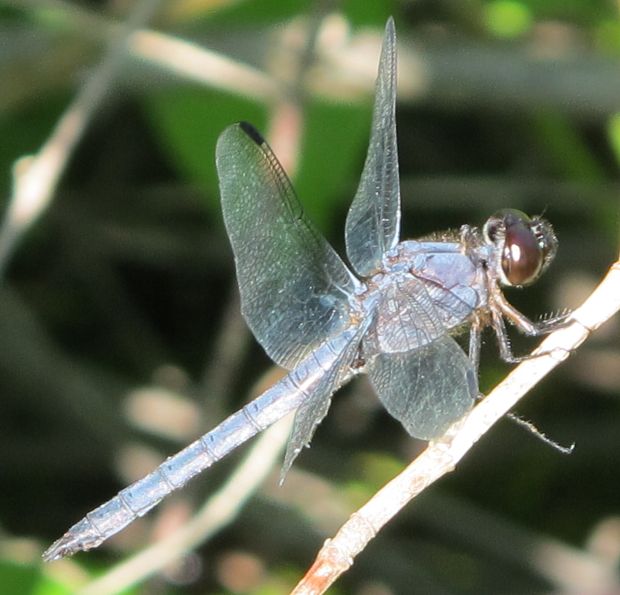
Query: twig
[(35, 177), (216, 513), (441, 456)]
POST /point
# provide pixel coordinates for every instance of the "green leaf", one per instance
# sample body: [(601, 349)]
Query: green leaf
[(23, 579), (508, 18), (188, 122), (370, 13)]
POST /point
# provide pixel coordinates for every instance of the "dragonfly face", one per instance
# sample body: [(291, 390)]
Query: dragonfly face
[(391, 314)]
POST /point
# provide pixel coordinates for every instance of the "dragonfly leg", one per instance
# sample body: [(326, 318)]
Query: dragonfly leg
[(524, 324), (498, 311), (475, 340)]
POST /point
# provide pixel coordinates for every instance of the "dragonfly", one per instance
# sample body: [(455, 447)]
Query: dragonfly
[(393, 314)]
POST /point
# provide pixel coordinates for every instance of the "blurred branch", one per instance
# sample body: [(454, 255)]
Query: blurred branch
[(230, 345), (441, 456), (35, 177), (286, 126), (487, 193), (196, 63)]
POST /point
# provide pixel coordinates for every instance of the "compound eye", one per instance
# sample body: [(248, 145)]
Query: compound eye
[(522, 255)]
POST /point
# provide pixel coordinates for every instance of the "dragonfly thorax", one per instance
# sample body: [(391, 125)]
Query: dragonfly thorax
[(425, 290)]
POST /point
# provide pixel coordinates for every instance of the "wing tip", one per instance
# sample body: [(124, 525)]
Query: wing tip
[(254, 134), (390, 28)]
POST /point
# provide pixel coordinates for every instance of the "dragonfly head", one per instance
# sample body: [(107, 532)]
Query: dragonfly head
[(525, 245)]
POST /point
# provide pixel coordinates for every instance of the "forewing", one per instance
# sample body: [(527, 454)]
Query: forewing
[(426, 389), (294, 287), (373, 221)]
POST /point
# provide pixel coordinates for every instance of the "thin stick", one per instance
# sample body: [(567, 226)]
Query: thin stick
[(197, 63), (35, 177), (441, 456)]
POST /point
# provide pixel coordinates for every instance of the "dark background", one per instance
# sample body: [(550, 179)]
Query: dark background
[(123, 293)]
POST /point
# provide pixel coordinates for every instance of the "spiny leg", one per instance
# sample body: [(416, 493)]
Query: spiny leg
[(475, 340), (501, 308), (523, 323)]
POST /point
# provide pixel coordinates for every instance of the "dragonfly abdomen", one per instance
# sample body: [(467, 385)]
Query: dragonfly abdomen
[(138, 498)]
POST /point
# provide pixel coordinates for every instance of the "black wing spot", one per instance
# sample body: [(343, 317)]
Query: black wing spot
[(254, 134)]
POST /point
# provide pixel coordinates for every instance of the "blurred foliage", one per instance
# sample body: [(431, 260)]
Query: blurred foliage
[(126, 280), (17, 579), (508, 19)]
